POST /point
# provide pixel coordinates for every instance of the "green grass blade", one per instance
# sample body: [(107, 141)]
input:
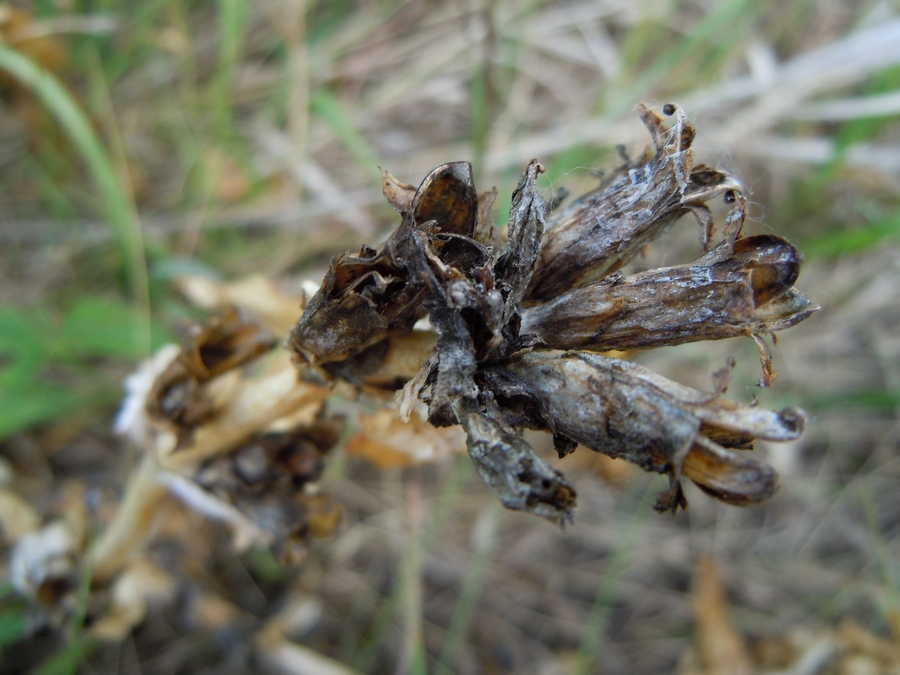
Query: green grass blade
[(480, 108), (67, 661), (81, 646), (329, 108), (468, 597), (122, 336), (636, 507), (120, 212), (847, 241), (35, 404), (13, 627), (233, 19)]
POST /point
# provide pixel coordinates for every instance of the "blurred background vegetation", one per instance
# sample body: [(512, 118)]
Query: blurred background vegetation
[(145, 140)]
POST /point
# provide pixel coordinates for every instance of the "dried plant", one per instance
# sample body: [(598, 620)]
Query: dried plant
[(498, 363), (237, 427)]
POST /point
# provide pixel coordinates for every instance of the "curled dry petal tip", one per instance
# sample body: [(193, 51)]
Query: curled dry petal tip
[(189, 392), (398, 193), (729, 475)]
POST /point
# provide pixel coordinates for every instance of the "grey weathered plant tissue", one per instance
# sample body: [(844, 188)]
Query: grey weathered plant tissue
[(519, 333)]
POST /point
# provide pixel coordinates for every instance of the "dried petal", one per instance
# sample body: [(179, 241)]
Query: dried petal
[(605, 229), (365, 298), (398, 193), (724, 294), (133, 420), (624, 410), (361, 298), (398, 360), (256, 402), (187, 394), (42, 565), (274, 307), (484, 226), (448, 197), (519, 477), (224, 343), (526, 228), (17, 517), (388, 441), (729, 476), (599, 402), (141, 587)]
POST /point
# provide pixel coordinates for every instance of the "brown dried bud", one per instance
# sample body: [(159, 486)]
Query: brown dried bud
[(731, 291), (187, 393), (365, 297), (264, 479), (626, 411), (600, 232)]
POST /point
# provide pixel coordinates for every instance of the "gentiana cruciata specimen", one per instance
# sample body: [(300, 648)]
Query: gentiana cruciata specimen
[(466, 327), (516, 338)]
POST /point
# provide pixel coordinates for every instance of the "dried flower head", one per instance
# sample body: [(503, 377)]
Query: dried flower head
[(518, 333), (228, 428)]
